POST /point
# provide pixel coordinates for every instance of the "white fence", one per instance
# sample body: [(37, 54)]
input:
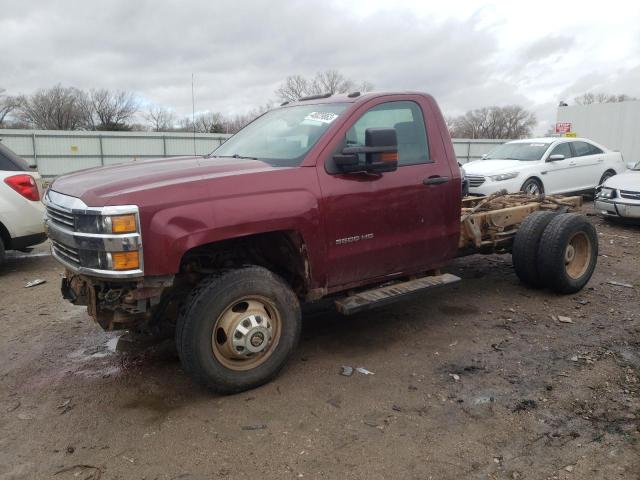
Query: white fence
[(56, 152)]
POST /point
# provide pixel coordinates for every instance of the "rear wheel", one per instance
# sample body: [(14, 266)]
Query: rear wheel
[(1, 251), (532, 186), (238, 329), (525, 247), (568, 253)]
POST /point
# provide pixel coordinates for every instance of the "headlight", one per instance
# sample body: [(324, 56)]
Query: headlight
[(107, 224), (606, 193), (503, 176)]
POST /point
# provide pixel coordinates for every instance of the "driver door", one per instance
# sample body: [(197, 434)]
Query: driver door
[(557, 175), (378, 225)]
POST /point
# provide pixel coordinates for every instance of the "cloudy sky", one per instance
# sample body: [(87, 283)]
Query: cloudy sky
[(467, 54)]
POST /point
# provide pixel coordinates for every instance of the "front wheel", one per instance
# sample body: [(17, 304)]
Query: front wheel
[(238, 329), (532, 186)]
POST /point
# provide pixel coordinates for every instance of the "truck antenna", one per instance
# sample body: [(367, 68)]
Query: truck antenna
[(193, 114)]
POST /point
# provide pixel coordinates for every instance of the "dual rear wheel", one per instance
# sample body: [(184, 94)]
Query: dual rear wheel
[(556, 251)]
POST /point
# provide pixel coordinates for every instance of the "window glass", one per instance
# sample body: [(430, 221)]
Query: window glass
[(523, 151), (282, 137), (10, 161), (581, 149), (562, 149), (407, 119), (594, 150)]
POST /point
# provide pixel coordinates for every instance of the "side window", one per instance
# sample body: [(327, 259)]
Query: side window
[(594, 150), (562, 149), (407, 119), (581, 149)]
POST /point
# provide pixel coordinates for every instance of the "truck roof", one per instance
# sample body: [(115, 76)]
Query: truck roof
[(353, 97)]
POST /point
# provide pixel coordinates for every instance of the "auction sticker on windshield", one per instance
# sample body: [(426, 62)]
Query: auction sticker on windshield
[(317, 118)]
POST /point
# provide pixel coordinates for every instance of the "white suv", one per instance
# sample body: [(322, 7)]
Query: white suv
[(21, 211)]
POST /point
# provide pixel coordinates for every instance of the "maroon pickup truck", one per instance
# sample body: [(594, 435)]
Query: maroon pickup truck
[(356, 197)]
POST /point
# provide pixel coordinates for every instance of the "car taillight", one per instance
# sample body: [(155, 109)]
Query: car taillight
[(25, 185)]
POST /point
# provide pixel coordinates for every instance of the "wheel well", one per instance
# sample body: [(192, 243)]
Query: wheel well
[(282, 252), (5, 236), (533, 177)]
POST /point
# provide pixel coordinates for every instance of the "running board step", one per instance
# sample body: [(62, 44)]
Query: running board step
[(390, 293)]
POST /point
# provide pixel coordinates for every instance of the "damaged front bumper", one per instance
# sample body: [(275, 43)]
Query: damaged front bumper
[(116, 305)]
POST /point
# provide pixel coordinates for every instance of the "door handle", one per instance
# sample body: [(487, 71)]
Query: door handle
[(573, 164), (435, 180)]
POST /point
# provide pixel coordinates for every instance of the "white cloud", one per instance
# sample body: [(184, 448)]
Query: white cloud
[(467, 54)]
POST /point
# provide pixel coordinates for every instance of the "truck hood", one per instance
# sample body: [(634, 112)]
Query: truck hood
[(126, 183), (493, 167), (629, 180)]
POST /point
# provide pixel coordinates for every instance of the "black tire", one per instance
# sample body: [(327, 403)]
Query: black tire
[(525, 247), (217, 296), (606, 176), (2, 255), (531, 184), (556, 271)]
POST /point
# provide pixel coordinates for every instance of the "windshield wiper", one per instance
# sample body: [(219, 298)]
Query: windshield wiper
[(236, 155)]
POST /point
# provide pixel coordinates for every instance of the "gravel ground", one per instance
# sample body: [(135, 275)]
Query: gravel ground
[(478, 380)]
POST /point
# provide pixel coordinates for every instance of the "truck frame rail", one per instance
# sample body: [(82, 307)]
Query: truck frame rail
[(489, 224)]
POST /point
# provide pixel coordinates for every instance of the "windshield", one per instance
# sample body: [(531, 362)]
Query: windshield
[(635, 167), (518, 151), (282, 137)]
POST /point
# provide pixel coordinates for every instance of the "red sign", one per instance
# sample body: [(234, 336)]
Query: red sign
[(563, 127)]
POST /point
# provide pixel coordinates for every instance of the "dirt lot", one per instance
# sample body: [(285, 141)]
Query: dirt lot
[(479, 380)]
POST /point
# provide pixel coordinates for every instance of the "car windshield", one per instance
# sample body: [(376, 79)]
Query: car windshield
[(636, 166), (282, 137), (518, 151)]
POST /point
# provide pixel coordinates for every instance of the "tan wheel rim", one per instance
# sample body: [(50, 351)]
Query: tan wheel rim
[(246, 333), (577, 255)]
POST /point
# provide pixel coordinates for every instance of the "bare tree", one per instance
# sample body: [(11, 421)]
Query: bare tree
[(56, 108), (7, 105), (160, 119), (329, 81), (590, 98), (508, 122), (209, 122), (106, 110)]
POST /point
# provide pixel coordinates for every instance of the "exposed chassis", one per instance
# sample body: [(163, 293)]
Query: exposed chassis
[(489, 224)]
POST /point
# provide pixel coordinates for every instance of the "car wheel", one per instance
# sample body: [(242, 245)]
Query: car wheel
[(568, 253), (606, 176), (1, 251), (238, 329), (525, 247), (532, 186)]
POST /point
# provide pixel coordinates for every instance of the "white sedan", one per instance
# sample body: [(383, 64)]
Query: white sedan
[(543, 165), (619, 196)]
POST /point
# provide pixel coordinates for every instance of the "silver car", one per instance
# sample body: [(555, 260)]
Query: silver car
[(619, 196)]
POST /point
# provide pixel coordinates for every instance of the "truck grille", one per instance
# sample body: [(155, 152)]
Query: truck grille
[(630, 195), (69, 254), (475, 180), (61, 218)]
